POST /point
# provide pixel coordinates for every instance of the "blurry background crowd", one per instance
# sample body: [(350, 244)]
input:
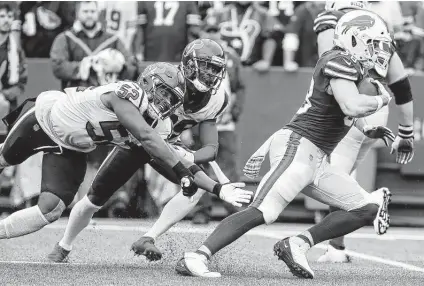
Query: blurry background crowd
[(72, 36)]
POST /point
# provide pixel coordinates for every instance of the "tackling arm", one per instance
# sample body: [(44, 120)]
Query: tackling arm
[(130, 117)]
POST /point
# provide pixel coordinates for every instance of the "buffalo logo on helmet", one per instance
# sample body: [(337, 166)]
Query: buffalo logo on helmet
[(362, 22)]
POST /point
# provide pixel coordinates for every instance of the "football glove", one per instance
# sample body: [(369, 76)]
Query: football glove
[(188, 185), (379, 132), (404, 144), (231, 193)]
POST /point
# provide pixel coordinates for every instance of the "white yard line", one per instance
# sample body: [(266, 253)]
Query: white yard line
[(275, 234)]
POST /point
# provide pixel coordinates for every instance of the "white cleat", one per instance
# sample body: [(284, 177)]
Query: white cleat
[(193, 264), (334, 255), (293, 252), (382, 220)]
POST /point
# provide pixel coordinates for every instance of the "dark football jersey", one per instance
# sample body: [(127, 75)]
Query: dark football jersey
[(320, 119), (165, 25)]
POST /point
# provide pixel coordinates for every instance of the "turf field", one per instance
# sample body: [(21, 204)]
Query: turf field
[(101, 256)]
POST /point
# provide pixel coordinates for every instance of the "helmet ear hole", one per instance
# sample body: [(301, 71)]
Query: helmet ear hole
[(353, 41)]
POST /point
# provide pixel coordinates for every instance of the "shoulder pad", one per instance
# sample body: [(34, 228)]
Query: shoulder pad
[(326, 20), (129, 90), (342, 66)]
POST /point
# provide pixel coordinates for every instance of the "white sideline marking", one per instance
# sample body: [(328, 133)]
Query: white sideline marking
[(255, 232)]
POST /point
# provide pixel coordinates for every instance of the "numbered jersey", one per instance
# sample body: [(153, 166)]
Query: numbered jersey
[(165, 25), (183, 119), (78, 119), (120, 18), (320, 118)]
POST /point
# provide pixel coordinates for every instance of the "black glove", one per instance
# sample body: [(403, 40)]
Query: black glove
[(186, 179)]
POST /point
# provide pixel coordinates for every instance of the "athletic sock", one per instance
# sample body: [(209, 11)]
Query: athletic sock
[(80, 217), (22, 222)]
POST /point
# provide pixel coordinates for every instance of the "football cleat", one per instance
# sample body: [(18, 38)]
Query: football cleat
[(59, 254), (146, 246), (293, 253), (334, 255), (382, 219), (196, 265)]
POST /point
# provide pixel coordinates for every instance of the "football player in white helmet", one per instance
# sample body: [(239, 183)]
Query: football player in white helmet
[(387, 68), (299, 155)]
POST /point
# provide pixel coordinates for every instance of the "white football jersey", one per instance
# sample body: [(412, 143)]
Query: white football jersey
[(183, 120), (78, 119)]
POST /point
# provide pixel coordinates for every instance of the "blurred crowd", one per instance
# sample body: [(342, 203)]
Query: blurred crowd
[(79, 37)]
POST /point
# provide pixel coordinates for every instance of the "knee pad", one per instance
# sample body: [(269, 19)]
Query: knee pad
[(367, 212), (51, 206)]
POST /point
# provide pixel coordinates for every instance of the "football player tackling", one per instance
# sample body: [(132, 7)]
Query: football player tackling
[(300, 154), (203, 66), (351, 151), (67, 125)]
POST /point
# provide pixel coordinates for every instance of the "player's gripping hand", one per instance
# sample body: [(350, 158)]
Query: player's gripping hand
[(384, 94), (379, 132), (233, 194), (186, 179), (404, 144), (188, 185)]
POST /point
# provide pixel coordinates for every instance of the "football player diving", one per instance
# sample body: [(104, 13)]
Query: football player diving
[(203, 66), (300, 154), (351, 151), (68, 125)]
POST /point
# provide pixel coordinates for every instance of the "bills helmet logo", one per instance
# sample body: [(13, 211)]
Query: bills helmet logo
[(361, 22)]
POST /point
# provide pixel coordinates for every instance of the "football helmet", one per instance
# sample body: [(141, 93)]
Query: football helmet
[(365, 36), (204, 65), (164, 84), (339, 5)]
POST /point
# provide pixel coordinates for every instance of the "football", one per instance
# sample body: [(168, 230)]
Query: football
[(367, 87)]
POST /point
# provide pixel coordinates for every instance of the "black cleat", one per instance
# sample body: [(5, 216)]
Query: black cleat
[(59, 254), (146, 246)]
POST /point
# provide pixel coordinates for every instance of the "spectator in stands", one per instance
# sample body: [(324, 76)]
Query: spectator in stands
[(87, 55), (250, 30), (164, 29), (73, 53), (226, 124), (13, 78), (42, 22), (119, 18), (300, 41)]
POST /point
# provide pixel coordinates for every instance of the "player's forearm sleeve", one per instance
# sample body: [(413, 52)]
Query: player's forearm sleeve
[(63, 68), (402, 91)]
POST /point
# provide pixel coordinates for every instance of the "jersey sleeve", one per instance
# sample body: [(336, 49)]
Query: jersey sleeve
[(130, 91), (341, 67), (326, 20)]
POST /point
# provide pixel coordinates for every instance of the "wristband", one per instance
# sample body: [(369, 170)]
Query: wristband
[(405, 131), (194, 169), (217, 189), (181, 171)]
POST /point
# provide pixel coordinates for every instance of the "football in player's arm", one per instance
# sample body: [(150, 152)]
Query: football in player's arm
[(396, 77)]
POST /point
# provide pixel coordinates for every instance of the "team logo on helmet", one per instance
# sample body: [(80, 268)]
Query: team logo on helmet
[(362, 22)]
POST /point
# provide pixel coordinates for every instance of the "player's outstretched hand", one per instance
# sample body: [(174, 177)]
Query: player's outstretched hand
[(404, 148), (188, 185), (379, 132), (233, 194)]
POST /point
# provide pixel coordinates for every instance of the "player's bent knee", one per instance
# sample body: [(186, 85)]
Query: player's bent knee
[(96, 198), (51, 206), (367, 212)]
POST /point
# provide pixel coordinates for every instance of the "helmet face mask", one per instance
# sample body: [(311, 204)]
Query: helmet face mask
[(165, 87), (203, 63)]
